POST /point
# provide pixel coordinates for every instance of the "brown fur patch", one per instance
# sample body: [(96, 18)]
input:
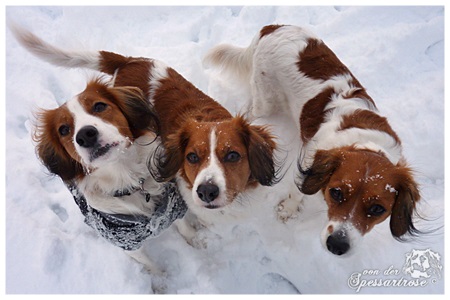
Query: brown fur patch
[(313, 114), (130, 71), (365, 119), (317, 61), (55, 152), (268, 30), (177, 100)]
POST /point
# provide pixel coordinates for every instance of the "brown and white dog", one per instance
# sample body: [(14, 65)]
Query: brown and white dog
[(101, 137), (350, 153)]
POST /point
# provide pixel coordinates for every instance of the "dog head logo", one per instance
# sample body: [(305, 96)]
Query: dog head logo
[(423, 264)]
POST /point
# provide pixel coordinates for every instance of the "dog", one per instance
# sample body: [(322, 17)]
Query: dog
[(350, 154), (214, 156), (99, 143)]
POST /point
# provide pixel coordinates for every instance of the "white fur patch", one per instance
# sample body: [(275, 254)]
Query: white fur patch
[(157, 73), (213, 174), (125, 172), (350, 231), (123, 166)]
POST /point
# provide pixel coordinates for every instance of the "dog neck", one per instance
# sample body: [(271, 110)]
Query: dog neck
[(133, 170)]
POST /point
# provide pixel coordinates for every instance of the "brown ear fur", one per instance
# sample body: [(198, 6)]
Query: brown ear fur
[(136, 108), (260, 146), (169, 157), (402, 211), (318, 175), (62, 165), (50, 151)]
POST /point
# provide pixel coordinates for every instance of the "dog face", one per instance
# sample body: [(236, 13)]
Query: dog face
[(92, 129), (220, 160), (362, 188)]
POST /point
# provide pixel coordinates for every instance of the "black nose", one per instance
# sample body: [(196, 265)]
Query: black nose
[(207, 192), (87, 136), (337, 243)]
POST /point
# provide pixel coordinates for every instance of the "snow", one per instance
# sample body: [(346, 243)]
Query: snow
[(397, 53), (390, 188)]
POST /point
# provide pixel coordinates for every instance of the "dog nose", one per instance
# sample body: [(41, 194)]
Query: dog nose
[(87, 136), (207, 192), (337, 243)]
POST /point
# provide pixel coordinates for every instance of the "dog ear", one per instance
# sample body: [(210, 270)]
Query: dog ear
[(136, 109), (169, 157), (260, 147), (319, 174), (62, 165), (407, 196), (50, 151)]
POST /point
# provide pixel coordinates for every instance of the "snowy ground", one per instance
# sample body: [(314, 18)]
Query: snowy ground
[(397, 53)]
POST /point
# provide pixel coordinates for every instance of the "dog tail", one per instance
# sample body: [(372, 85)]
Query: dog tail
[(232, 60), (103, 61), (54, 55)]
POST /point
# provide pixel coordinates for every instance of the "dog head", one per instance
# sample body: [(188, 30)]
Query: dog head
[(92, 129), (362, 188), (219, 160)]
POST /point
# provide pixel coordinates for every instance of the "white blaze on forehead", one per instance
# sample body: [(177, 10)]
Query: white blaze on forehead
[(212, 173), (81, 116)]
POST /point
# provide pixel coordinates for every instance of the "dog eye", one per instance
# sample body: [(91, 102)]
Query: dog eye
[(192, 158), (375, 210), (99, 107), (337, 195), (232, 156), (64, 130)]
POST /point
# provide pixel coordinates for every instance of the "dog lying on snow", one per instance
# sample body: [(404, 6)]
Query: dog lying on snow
[(101, 141), (350, 153)]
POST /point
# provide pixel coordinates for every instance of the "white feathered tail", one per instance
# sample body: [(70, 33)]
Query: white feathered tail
[(54, 55), (232, 60)]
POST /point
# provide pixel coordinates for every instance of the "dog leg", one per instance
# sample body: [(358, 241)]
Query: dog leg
[(193, 231), (141, 257), (267, 96), (186, 230), (159, 285)]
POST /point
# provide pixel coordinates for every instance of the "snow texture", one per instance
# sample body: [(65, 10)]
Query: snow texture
[(397, 53)]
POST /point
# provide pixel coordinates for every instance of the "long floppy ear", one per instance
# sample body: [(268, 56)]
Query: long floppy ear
[(405, 203), (62, 165), (169, 157), (319, 174), (50, 151), (260, 146), (136, 109)]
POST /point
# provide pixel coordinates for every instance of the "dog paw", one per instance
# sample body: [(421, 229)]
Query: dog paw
[(154, 271), (159, 285), (199, 242), (288, 209)]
